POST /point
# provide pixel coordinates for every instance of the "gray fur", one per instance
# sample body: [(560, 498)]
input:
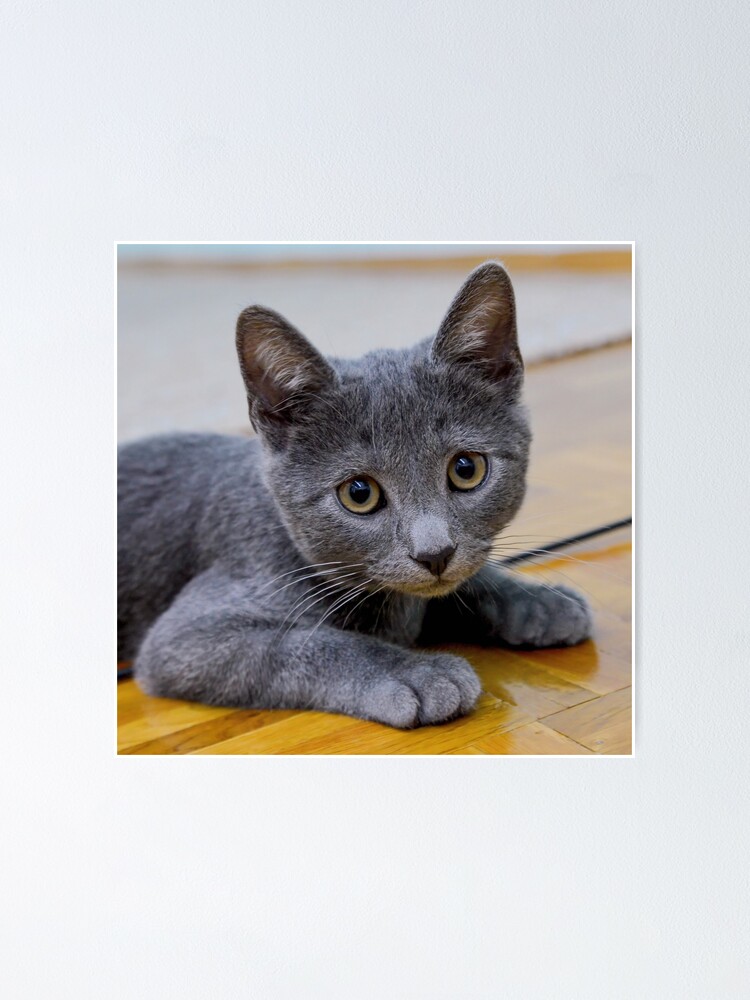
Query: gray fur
[(242, 579)]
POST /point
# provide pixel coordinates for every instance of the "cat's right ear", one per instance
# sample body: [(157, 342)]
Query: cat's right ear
[(480, 327), (282, 371)]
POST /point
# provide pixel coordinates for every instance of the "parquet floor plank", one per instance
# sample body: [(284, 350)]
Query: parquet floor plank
[(535, 738), (602, 725)]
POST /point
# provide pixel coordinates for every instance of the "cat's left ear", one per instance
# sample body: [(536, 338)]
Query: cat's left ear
[(282, 371), (480, 326)]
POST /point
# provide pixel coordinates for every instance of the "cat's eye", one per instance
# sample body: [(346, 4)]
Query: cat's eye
[(361, 495), (467, 470)]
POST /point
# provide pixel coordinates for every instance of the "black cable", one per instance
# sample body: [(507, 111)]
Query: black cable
[(123, 673), (564, 542)]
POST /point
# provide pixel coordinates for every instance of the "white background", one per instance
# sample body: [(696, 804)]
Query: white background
[(436, 878)]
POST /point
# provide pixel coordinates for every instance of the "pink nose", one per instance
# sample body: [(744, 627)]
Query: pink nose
[(435, 562)]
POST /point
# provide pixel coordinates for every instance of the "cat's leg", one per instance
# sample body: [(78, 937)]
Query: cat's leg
[(499, 607), (214, 645)]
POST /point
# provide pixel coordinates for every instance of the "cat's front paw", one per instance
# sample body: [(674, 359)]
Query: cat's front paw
[(546, 616), (430, 688)]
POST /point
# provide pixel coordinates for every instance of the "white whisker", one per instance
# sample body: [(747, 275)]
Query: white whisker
[(349, 596), (301, 569), (311, 576)]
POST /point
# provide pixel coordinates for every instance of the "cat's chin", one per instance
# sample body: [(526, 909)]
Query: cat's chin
[(427, 590)]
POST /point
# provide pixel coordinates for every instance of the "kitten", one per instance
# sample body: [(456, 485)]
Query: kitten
[(303, 568)]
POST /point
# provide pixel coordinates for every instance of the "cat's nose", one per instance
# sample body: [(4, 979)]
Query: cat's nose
[(435, 562)]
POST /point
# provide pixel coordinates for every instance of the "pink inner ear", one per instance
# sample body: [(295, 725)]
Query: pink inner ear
[(480, 326), (282, 371), (278, 364), (483, 329)]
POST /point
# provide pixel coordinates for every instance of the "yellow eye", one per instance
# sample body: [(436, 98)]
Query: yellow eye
[(360, 495), (467, 470)]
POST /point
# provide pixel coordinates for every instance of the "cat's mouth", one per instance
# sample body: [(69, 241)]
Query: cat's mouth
[(429, 588)]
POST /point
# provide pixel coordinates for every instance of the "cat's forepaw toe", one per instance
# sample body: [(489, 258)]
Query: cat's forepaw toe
[(549, 616), (433, 688), (446, 686)]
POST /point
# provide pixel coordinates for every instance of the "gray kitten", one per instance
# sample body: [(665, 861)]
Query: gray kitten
[(303, 568)]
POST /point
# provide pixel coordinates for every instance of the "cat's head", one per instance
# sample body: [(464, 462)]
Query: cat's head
[(405, 464)]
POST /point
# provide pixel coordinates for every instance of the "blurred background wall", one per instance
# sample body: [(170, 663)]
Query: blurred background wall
[(177, 305)]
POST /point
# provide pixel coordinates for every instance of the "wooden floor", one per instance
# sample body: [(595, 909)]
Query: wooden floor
[(562, 701)]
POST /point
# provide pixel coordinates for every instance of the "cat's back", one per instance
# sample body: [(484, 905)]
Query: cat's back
[(180, 469), (175, 494)]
